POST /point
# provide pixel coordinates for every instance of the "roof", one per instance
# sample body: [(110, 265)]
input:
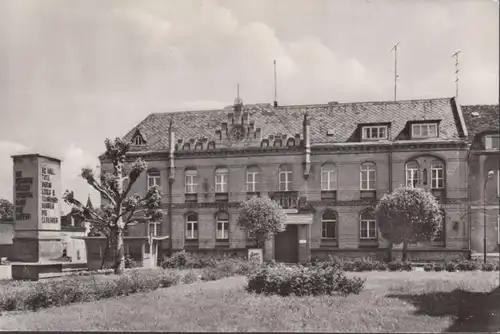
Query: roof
[(340, 120), (481, 118)]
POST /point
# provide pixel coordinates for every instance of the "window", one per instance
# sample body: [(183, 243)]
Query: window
[(437, 175), (192, 226), (153, 178), (329, 225), (424, 130), (374, 132), (222, 232), (191, 180), (328, 177), (368, 229), (138, 140), (285, 179), (412, 179), (252, 182), (221, 180), (153, 229), (367, 177), (492, 142)]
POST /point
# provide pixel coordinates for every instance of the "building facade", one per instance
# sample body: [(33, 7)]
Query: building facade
[(484, 177), (327, 165)]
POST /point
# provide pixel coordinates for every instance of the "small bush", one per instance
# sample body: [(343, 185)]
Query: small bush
[(178, 260), (488, 266), (438, 267), (212, 274), (429, 267), (451, 266), (190, 277), (301, 281)]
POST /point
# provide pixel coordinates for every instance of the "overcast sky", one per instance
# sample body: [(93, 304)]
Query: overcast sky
[(75, 72)]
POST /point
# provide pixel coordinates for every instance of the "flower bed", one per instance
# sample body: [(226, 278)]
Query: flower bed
[(301, 281)]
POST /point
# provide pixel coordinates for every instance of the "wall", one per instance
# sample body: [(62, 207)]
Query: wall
[(348, 206), (479, 164)]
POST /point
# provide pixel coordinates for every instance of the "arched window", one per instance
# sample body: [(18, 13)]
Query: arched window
[(198, 146), (192, 226), (138, 140), (328, 177), (153, 178), (285, 178), (264, 143), (211, 145), (277, 143), (290, 142), (412, 174), (329, 224), (221, 176), (191, 181), (186, 147), (441, 232), (437, 175), (368, 228), (222, 229), (367, 176), (252, 180)]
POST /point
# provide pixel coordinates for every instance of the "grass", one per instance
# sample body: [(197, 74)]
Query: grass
[(402, 301)]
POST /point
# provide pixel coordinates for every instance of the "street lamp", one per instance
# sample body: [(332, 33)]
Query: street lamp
[(490, 175)]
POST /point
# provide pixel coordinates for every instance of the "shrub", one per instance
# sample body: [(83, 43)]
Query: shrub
[(190, 277), (451, 266), (394, 265), (438, 267), (299, 280), (468, 265), (212, 274), (178, 260), (429, 267), (488, 266), (43, 294)]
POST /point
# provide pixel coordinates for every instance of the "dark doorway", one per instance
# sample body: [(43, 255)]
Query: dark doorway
[(286, 245)]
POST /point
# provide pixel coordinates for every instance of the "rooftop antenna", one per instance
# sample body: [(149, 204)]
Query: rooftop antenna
[(275, 86), (455, 55), (238, 90), (396, 76)]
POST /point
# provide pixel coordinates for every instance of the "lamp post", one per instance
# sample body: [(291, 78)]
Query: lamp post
[(490, 175)]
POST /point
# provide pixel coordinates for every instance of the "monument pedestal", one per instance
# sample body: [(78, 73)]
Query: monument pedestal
[(37, 242)]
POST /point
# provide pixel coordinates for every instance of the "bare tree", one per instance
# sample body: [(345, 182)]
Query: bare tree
[(120, 209)]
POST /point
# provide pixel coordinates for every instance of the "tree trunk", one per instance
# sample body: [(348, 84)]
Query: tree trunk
[(119, 252), (405, 250), (389, 251), (103, 260)]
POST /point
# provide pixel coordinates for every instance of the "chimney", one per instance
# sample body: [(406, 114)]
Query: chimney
[(276, 104), (306, 124)]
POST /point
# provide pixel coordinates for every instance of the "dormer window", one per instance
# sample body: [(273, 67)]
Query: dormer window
[(492, 142), (138, 139), (424, 130), (374, 132)]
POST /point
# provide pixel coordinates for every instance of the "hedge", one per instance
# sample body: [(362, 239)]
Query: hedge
[(301, 281)]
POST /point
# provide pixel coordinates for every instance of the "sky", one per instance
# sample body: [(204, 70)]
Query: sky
[(73, 73)]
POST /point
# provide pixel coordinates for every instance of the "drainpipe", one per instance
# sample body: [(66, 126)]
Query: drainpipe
[(306, 124), (469, 217), (171, 178)]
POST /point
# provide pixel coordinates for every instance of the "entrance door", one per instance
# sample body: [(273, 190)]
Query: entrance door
[(286, 245)]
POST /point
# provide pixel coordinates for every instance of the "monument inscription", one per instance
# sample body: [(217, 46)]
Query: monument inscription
[(48, 195), (23, 195)]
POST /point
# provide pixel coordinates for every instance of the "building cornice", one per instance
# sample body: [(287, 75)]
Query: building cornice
[(338, 148)]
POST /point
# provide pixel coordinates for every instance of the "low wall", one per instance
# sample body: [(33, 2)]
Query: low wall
[(5, 272), (381, 254)]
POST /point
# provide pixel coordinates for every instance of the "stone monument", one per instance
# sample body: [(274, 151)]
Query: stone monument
[(37, 244)]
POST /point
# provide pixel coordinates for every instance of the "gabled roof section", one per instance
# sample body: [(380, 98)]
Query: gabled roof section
[(340, 120), (481, 118)]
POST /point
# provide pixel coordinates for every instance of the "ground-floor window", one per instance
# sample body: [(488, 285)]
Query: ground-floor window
[(329, 225), (368, 227), (222, 232)]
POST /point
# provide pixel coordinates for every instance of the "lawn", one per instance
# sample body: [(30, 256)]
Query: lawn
[(391, 301)]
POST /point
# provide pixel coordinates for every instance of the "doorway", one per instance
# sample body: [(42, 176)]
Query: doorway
[(286, 245)]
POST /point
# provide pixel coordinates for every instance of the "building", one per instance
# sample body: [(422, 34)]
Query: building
[(482, 124), (326, 164)]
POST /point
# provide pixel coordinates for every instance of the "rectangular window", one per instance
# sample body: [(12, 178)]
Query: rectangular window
[(222, 230), (374, 132), (328, 229), (437, 176), (368, 229), (191, 182), (192, 230), (221, 181), (285, 180), (425, 130), (153, 180), (328, 179), (367, 177), (252, 181), (412, 177), (492, 142)]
